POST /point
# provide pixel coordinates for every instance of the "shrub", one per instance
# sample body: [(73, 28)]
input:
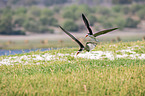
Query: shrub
[(126, 9), (52, 2), (83, 9), (6, 26), (6, 23), (108, 22), (51, 21), (92, 19), (131, 23), (141, 14), (56, 9), (21, 10), (35, 11), (19, 20), (30, 2), (17, 32), (104, 11), (70, 25), (31, 26), (117, 8), (35, 26), (121, 1), (44, 29), (69, 14), (47, 12), (137, 7), (44, 20)]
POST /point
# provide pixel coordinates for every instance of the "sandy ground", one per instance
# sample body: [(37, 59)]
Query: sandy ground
[(122, 34)]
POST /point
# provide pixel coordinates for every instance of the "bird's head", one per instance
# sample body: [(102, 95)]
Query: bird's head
[(87, 34)]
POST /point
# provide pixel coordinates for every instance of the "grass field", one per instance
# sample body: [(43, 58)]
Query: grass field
[(62, 73)]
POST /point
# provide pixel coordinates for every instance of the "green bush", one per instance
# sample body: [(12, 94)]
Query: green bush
[(56, 9), (69, 14), (30, 18), (19, 20), (47, 12), (141, 13), (6, 23), (51, 21), (35, 11), (104, 11), (31, 26), (136, 7), (6, 26), (83, 9), (44, 20), (131, 23), (36, 27), (108, 22), (30, 2), (17, 32), (117, 8), (53, 2), (121, 1), (126, 9), (21, 10), (92, 19), (70, 25), (44, 29)]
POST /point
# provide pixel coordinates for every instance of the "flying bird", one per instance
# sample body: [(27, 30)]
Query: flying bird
[(89, 45), (90, 33)]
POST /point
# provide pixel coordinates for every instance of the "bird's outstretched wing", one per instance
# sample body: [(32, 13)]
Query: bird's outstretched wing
[(80, 44), (87, 24), (104, 32)]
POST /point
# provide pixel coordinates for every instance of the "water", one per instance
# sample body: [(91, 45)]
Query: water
[(20, 51)]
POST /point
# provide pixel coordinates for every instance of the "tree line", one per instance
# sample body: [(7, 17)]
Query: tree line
[(46, 20)]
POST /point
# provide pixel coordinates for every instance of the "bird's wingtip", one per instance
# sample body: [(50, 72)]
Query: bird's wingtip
[(59, 26), (83, 15)]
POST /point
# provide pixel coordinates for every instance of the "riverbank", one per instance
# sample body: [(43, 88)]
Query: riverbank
[(62, 40)]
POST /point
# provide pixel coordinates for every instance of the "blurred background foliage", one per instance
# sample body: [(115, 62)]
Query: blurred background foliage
[(17, 17)]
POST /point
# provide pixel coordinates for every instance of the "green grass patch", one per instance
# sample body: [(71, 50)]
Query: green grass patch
[(75, 76)]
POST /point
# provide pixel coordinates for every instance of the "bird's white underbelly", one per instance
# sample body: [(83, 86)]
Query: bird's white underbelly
[(91, 46), (92, 37)]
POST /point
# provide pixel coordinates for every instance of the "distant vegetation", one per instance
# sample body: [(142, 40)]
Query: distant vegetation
[(56, 2), (46, 20)]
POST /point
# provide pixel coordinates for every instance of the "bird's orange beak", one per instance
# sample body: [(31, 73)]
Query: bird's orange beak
[(77, 53), (87, 35)]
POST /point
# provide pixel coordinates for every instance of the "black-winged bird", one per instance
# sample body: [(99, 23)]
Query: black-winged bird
[(90, 33), (89, 45)]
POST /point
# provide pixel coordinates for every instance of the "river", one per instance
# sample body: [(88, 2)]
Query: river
[(20, 51)]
